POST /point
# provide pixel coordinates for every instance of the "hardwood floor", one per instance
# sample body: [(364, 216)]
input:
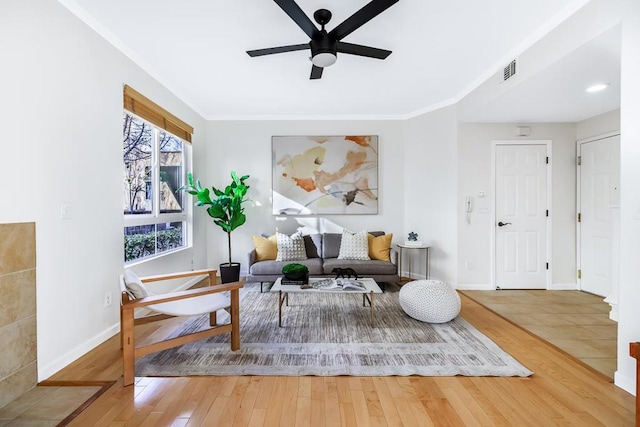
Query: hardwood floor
[(561, 392)]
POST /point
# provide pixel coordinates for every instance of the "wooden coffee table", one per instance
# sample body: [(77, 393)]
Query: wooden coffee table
[(371, 288)]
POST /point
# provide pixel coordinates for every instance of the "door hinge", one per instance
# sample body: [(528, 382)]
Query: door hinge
[(579, 274), (579, 160), (579, 217), (547, 159), (547, 212), (547, 266)]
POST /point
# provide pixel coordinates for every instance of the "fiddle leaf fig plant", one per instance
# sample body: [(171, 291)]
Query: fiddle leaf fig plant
[(226, 207)]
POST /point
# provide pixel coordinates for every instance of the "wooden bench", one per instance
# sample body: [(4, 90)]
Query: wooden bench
[(127, 320)]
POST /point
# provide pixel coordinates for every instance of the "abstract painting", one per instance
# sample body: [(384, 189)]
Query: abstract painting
[(319, 175)]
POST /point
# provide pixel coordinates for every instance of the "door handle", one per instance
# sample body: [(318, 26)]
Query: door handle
[(502, 224)]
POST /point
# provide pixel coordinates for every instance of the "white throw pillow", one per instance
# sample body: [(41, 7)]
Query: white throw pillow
[(290, 248), (354, 245), (134, 285)]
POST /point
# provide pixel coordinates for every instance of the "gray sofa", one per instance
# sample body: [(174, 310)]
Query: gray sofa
[(322, 257)]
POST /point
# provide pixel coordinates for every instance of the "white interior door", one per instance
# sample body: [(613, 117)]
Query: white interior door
[(521, 216), (599, 189)]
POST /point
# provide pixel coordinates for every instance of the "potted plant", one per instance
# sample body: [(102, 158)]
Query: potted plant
[(226, 210), (296, 272)]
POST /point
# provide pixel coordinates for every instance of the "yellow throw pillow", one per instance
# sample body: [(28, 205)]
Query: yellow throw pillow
[(379, 247), (266, 247)]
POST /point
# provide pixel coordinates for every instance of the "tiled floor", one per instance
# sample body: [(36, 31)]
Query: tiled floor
[(574, 321), (45, 406)]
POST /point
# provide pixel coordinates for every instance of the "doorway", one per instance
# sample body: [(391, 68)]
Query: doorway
[(522, 198), (598, 178)]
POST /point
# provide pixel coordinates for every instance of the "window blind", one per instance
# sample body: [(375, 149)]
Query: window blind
[(143, 107)]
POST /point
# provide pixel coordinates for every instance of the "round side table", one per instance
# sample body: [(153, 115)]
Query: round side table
[(402, 247)]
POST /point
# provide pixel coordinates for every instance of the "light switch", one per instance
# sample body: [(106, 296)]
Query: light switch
[(65, 210)]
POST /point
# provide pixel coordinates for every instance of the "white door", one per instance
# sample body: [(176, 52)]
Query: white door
[(599, 190), (521, 216)]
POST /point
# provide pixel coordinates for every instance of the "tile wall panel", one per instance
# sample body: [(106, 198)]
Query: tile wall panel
[(18, 367)]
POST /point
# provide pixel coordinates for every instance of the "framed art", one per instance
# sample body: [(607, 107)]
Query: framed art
[(321, 175)]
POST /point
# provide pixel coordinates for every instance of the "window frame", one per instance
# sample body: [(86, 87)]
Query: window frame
[(156, 216)]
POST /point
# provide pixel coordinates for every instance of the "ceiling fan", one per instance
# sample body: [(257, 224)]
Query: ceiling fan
[(326, 45)]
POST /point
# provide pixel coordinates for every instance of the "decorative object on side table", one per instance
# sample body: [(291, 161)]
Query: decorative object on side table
[(227, 212), (412, 239), (295, 274)]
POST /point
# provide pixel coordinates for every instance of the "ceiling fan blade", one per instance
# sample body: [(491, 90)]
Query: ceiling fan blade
[(280, 49), (316, 72), (292, 9), (357, 49), (361, 17)]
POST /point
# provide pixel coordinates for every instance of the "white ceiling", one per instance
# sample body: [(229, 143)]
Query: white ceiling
[(558, 93), (441, 51)]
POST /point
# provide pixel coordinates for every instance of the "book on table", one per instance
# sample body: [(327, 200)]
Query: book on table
[(285, 282), (338, 284)]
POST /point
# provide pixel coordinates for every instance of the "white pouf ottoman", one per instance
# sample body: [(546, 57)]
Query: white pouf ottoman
[(430, 301)]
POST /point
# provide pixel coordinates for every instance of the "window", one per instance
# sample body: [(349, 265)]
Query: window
[(154, 163)]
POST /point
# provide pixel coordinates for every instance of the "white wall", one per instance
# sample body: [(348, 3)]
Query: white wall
[(430, 203), (598, 125), (474, 174), (62, 109), (628, 322), (245, 146)]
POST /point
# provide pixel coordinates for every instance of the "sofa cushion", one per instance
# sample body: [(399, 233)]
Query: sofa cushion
[(290, 248), (363, 268), (331, 245), (275, 267), (380, 247), (354, 245), (266, 247), (313, 245)]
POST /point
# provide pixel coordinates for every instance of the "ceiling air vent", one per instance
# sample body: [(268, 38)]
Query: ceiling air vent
[(508, 71)]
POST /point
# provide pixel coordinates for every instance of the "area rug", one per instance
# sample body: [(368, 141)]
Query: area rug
[(331, 334)]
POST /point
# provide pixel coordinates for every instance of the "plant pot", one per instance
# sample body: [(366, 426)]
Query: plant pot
[(230, 273)]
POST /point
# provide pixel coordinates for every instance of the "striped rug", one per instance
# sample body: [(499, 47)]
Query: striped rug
[(331, 334)]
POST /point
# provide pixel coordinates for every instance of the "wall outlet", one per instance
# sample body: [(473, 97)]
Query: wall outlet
[(107, 299), (468, 265)]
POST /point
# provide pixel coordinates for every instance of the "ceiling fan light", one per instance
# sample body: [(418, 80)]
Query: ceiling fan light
[(598, 87), (324, 59)]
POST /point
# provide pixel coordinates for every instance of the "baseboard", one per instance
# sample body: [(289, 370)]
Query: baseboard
[(413, 276), (563, 287), (45, 372), (475, 287), (625, 383)]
